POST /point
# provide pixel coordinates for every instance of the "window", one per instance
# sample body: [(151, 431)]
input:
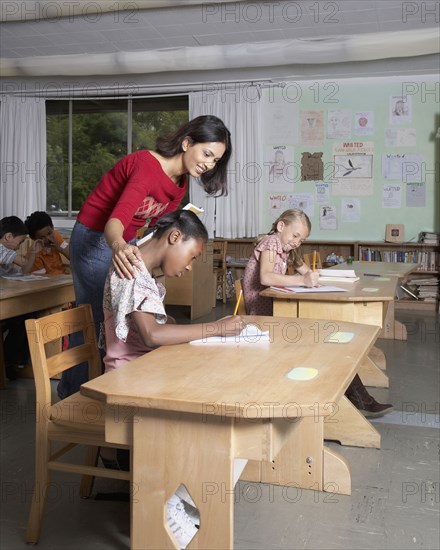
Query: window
[(85, 138)]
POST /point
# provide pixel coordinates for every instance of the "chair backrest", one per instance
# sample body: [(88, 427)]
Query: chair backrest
[(308, 260), (219, 249), (53, 327), (241, 306)]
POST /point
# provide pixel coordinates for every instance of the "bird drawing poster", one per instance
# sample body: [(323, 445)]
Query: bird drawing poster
[(353, 168)]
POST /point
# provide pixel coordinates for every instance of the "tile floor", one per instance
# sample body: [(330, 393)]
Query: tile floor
[(395, 497)]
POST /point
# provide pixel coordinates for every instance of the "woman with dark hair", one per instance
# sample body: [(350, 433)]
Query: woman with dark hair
[(139, 189)]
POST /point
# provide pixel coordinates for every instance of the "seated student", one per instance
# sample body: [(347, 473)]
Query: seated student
[(12, 233), (49, 260), (136, 322), (268, 266)]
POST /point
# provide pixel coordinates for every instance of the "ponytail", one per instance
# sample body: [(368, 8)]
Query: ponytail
[(185, 221)]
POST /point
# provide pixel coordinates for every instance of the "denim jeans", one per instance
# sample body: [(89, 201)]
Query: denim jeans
[(90, 259)]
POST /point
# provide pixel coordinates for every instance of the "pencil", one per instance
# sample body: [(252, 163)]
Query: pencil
[(314, 260), (238, 302)]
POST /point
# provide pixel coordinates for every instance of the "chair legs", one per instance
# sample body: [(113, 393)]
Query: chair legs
[(39, 495), (86, 486)]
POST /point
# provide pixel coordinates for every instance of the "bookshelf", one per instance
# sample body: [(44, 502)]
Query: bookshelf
[(423, 283), (427, 255)]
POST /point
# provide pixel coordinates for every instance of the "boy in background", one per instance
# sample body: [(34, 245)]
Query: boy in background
[(49, 260), (12, 233)]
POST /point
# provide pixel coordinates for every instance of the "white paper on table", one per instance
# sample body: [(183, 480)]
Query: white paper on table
[(251, 334), (303, 289)]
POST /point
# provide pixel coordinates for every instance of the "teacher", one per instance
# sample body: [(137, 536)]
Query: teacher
[(139, 189)]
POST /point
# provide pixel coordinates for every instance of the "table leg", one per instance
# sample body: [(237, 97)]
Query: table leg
[(378, 357), (350, 427), (372, 375), (170, 449), (304, 462)]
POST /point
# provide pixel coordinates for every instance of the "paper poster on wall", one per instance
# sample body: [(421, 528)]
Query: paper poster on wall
[(279, 166), (392, 195), (404, 167), (400, 137), (322, 192), (351, 210), (339, 124), (416, 194), (312, 167), (400, 109), (312, 128), (353, 168), (277, 203), (327, 217), (303, 201), (281, 119), (364, 123)]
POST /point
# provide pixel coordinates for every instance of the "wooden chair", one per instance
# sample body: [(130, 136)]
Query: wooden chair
[(308, 260), (220, 267), (76, 420), (241, 306)]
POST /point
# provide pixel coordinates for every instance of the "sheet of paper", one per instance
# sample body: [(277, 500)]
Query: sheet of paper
[(303, 289), (251, 334), (337, 272), (24, 277)]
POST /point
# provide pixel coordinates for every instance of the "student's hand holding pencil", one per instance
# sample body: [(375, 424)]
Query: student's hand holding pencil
[(227, 326), (311, 278)]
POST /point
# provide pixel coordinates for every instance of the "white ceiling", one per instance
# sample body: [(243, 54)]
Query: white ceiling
[(163, 32), (205, 24)]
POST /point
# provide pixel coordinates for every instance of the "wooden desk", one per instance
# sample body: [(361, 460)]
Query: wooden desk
[(391, 329), (358, 305), (19, 298), (194, 408)]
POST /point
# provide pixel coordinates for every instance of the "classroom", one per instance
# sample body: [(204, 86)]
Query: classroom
[(272, 346)]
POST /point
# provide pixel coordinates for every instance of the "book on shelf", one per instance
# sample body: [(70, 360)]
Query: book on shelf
[(337, 275), (408, 292), (427, 237)]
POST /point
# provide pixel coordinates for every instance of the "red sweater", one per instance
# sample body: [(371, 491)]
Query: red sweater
[(134, 191)]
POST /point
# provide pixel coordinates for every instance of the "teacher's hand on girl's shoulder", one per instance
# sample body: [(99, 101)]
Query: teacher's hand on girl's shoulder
[(125, 256)]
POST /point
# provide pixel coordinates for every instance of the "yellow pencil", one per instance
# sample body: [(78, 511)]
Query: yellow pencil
[(314, 260), (238, 302)]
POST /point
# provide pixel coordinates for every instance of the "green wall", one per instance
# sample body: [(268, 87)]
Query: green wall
[(370, 95)]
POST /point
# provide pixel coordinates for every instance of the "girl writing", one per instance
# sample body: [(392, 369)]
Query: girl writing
[(268, 267), (135, 318)]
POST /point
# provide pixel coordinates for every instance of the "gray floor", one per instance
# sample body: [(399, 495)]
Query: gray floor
[(394, 502)]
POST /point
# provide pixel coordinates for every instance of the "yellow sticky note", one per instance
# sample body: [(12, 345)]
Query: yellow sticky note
[(302, 373), (339, 337)]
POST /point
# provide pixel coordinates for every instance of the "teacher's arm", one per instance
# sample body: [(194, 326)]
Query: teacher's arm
[(124, 255)]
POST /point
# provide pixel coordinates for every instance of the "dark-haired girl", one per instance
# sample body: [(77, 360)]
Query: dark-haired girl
[(135, 318)]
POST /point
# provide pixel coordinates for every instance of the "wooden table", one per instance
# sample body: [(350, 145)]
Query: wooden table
[(365, 301), (21, 297), (189, 410), (391, 328)]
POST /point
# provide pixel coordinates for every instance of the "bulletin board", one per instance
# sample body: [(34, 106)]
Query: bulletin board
[(354, 154)]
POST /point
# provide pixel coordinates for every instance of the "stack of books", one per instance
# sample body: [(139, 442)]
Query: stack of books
[(337, 275), (427, 237), (423, 289)]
